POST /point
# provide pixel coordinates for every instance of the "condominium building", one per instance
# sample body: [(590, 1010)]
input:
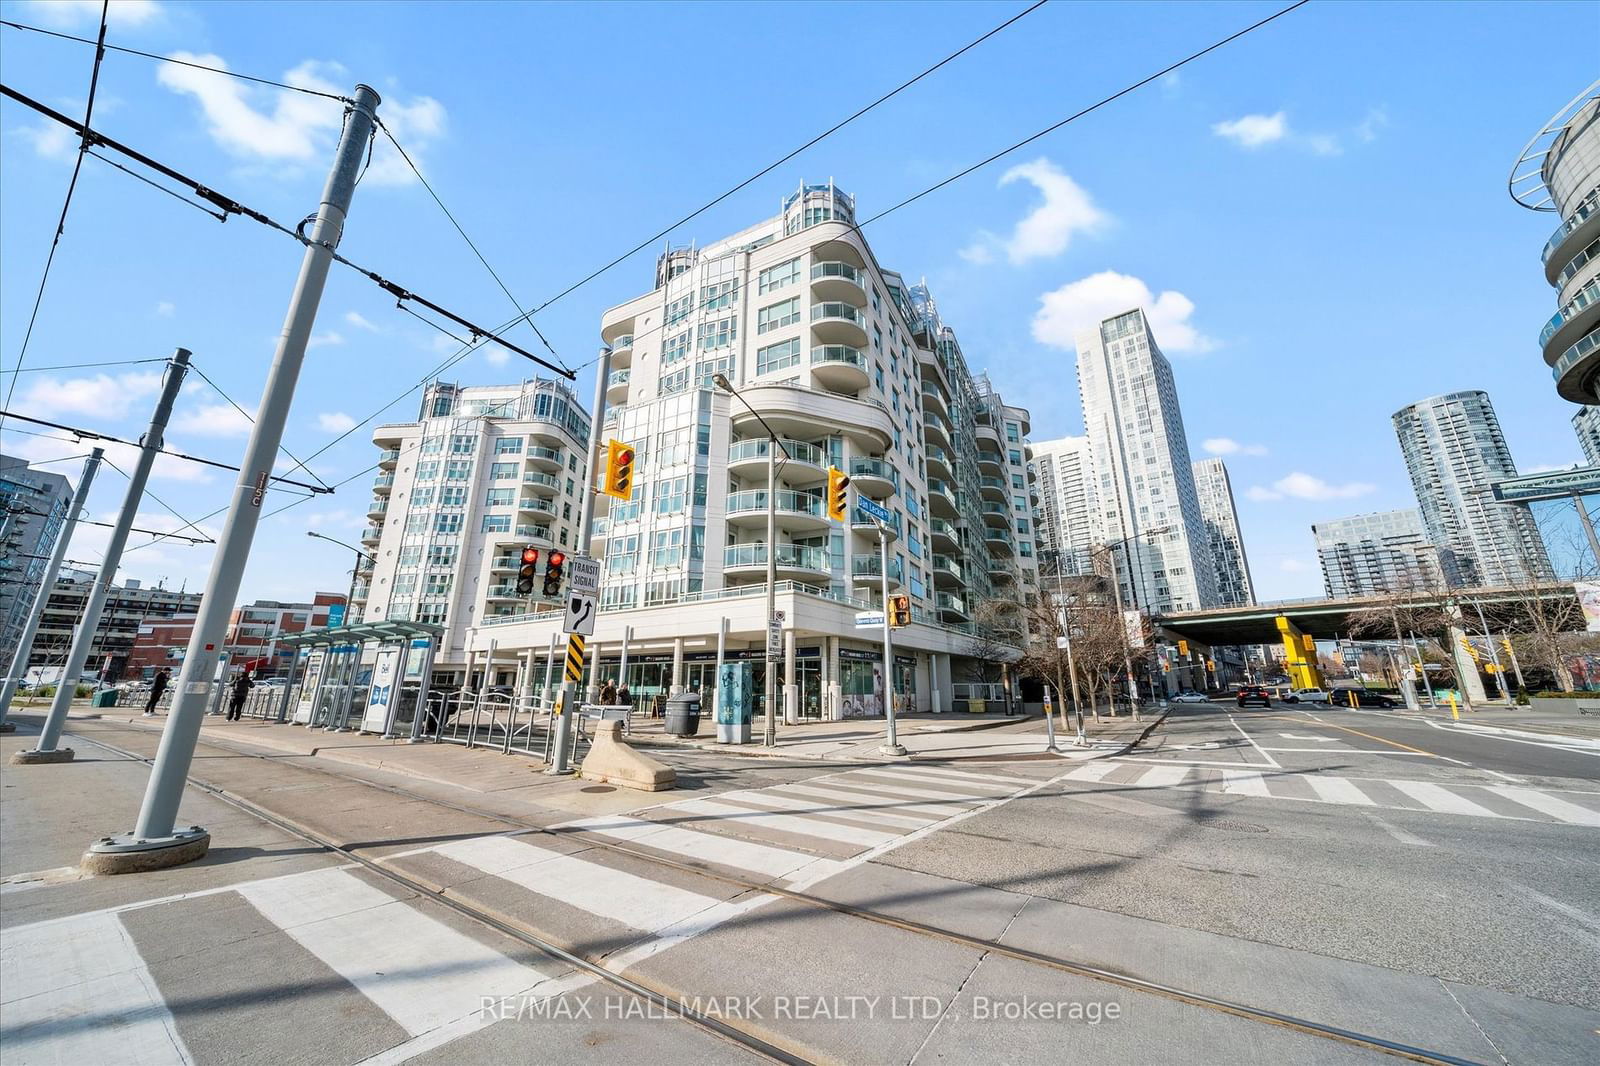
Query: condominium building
[(1559, 172), (1454, 451), (1586, 424), (1066, 513), (251, 640), (1211, 483), (1371, 554), (128, 607), (850, 367), (33, 507), (1148, 510)]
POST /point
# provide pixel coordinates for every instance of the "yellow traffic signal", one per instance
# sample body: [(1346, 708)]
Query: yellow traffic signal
[(1468, 647), (619, 470), (899, 611), (838, 493), (1183, 648), (1505, 642)]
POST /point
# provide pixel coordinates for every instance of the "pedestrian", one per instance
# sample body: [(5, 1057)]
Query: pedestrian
[(608, 693), (241, 690), (158, 685), (624, 697)]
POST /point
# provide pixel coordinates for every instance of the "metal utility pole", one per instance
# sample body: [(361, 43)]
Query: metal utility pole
[(891, 744), (1494, 654), (1588, 526), (149, 447), (1516, 667), (47, 582), (155, 830), (562, 723), (349, 598)]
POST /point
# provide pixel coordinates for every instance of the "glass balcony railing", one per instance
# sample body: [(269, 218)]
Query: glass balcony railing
[(990, 507), (943, 564), (862, 518), (1580, 300), (863, 466), (836, 270), (389, 457), (794, 556), (1585, 347), (1580, 214), (533, 477), (947, 601), (526, 530), (371, 533), (788, 501), (599, 527), (1579, 261), (798, 450), (619, 377), (989, 481), (872, 566), (839, 353), (536, 503), (624, 341), (942, 488), (936, 452), (383, 481), (844, 312), (552, 454), (943, 527)]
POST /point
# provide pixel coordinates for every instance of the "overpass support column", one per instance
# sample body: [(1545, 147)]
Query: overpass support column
[(1468, 679), (1300, 655)]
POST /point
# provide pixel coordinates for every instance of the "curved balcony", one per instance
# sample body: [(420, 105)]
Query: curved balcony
[(534, 503), (383, 483), (986, 433), (939, 461), (1575, 320), (868, 570), (793, 562), (798, 411), (839, 281), (951, 604), (546, 484), (599, 529), (388, 458), (934, 399), (1000, 540), (942, 497), (1000, 570), (840, 366), (617, 385), (1576, 230), (792, 511), (990, 462), (1578, 262), (502, 592), (875, 477), (378, 508), (836, 322), (1576, 370), (545, 458), (807, 464), (947, 572), (936, 432), (996, 514), (994, 487), (622, 351), (944, 534), (861, 522), (372, 534)]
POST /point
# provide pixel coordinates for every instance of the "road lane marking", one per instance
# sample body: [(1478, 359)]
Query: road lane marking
[(1381, 740), (1395, 831), (1093, 772), (419, 971), (1338, 790), (960, 776), (706, 847), (728, 816), (1548, 804), (1162, 776), (860, 794), (1270, 760), (1244, 783), (775, 800), (898, 784), (1442, 799)]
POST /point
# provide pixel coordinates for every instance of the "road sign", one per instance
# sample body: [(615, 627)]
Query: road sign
[(1061, 642), (585, 574), (869, 619), (580, 614), (775, 638), (876, 510), (574, 660)]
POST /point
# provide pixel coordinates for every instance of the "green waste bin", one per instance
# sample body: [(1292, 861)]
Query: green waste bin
[(105, 698)]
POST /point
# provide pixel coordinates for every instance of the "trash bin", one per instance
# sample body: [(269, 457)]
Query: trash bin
[(105, 698), (683, 715)]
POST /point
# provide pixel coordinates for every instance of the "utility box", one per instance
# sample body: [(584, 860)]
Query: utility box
[(105, 698), (735, 702)]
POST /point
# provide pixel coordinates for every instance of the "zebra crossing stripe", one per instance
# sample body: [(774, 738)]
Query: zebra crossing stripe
[(1545, 803), (1338, 790), (1163, 776), (574, 656), (1442, 799), (1244, 783)]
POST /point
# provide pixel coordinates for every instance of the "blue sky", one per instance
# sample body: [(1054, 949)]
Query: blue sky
[(1317, 213)]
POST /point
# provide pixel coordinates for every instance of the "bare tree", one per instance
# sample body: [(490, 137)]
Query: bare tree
[(997, 635)]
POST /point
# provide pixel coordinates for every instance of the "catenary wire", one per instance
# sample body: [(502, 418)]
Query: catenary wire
[(177, 62), (174, 512), (85, 366), (61, 223), (298, 465), (218, 215), (112, 525)]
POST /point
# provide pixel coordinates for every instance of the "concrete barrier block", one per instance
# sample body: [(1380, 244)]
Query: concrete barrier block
[(613, 762)]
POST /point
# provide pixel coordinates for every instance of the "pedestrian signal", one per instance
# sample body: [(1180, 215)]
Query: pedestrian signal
[(899, 611)]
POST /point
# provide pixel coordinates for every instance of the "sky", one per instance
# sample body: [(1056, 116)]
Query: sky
[(1315, 217)]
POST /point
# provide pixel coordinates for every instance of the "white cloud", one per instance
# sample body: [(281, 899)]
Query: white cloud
[(325, 340), (335, 421), (1292, 566), (48, 140), (102, 396), (1323, 144), (1253, 131), (360, 321), (495, 355), (1229, 446), (1301, 486), (1171, 84), (87, 12), (1084, 303), (212, 420), (45, 449), (1367, 129), (1047, 229), (275, 125), (165, 309)]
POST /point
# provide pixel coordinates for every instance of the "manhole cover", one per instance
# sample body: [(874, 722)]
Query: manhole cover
[(610, 788), (1237, 827)]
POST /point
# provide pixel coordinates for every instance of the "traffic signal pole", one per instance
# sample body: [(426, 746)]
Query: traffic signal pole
[(562, 725), (891, 744), (156, 841)]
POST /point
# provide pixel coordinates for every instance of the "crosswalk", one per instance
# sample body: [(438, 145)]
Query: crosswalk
[(86, 989), (1476, 801)]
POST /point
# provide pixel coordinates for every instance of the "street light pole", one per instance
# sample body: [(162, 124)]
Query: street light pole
[(349, 600), (1494, 653)]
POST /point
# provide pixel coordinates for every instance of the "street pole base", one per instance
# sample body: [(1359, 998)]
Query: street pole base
[(561, 771), (8, 727), (892, 749), (128, 854), (33, 757)]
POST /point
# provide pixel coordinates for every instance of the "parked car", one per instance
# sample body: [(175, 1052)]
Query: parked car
[(1307, 695), (1191, 696), (1363, 698), (1254, 694)]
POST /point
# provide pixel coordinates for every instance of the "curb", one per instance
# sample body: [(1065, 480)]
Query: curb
[(1144, 735)]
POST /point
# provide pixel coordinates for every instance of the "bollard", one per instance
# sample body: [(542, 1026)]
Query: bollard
[(1455, 712)]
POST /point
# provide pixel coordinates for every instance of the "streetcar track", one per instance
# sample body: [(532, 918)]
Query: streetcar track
[(674, 1003)]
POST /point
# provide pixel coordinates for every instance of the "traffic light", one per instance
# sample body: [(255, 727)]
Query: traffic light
[(899, 611), (527, 571), (619, 470), (554, 565), (1183, 648), (1471, 649), (838, 493), (1505, 642)]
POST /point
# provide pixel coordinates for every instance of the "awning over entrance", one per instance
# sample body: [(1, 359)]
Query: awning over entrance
[(383, 632)]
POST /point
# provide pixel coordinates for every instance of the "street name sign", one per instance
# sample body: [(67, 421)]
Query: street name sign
[(876, 510), (869, 619)]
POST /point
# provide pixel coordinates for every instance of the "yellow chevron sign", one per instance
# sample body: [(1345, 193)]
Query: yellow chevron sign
[(574, 657)]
